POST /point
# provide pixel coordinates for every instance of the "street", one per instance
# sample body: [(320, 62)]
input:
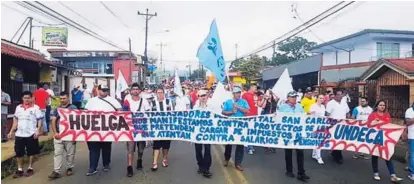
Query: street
[(259, 169)]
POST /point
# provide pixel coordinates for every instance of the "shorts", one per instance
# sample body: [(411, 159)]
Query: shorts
[(161, 144), (29, 145), (131, 146)]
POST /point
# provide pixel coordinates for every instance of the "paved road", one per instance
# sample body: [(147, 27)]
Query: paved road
[(259, 169)]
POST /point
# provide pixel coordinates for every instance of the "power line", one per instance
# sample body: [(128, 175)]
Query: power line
[(298, 27), (119, 19), (73, 24), (301, 30), (84, 18), (23, 5)]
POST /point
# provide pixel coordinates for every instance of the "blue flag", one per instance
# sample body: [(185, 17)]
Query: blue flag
[(210, 53)]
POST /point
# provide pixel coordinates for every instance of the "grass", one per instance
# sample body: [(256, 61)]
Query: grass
[(9, 166)]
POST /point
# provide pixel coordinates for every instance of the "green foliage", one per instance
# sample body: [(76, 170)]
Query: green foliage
[(250, 68), (291, 50), (198, 74)]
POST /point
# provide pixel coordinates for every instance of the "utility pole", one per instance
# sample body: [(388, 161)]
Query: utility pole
[(274, 51), (236, 46), (147, 18), (30, 32), (162, 45), (28, 23), (130, 49)]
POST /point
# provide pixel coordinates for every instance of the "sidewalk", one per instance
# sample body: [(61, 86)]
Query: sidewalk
[(7, 148)]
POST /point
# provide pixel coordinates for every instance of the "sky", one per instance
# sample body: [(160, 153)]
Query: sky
[(246, 23)]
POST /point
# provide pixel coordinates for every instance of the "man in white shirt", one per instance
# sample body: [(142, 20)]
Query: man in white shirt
[(300, 95), (361, 113), (27, 125), (103, 102), (49, 104), (87, 94), (135, 103), (409, 120), (337, 109)]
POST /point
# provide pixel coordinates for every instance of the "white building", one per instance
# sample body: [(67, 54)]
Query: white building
[(350, 56)]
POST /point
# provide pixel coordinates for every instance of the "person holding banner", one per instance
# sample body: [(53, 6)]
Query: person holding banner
[(103, 102), (135, 103), (380, 113), (203, 160), (291, 106), (251, 98), (337, 109), (361, 113), (318, 109), (409, 121), (235, 107), (161, 104), (62, 146), (269, 107)]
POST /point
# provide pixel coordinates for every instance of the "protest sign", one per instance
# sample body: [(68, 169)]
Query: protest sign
[(278, 131)]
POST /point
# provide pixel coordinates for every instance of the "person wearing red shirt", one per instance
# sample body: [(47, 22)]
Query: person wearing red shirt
[(251, 98), (41, 96), (193, 95), (380, 113)]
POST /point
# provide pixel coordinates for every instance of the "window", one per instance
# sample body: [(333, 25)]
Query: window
[(95, 66), (108, 69), (388, 50)]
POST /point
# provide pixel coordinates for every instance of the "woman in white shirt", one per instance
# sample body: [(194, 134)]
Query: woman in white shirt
[(318, 109), (203, 160)]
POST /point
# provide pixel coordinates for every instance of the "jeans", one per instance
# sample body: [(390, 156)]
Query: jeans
[(95, 149), (45, 128), (47, 116), (374, 162), (203, 161), (337, 155), (299, 159), (4, 130), (249, 148), (238, 155), (411, 155)]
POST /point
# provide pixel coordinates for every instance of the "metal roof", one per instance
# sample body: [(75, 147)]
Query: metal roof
[(302, 66), (365, 31)]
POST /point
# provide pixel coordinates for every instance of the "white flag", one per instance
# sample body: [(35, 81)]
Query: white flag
[(220, 95), (283, 86), (121, 85), (177, 85)]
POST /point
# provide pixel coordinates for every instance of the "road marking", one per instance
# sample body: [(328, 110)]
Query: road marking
[(239, 174), (226, 173)]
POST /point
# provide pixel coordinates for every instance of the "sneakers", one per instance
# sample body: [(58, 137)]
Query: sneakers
[(106, 168), (290, 174), (303, 177), (377, 177), (130, 171), (395, 179), (355, 156), (200, 171), (250, 152), (18, 174), (165, 163), (91, 172), (69, 172), (207, 174), (226, 163), (55, 175), (139, 164), (320, 161), (411, 177), (29, 172), (239, 167), (154, 167)]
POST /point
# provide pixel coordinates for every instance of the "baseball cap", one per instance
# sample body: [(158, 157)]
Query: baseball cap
[(308, 89), (103, 87), (292, 94), (202, 92), (236, 90)]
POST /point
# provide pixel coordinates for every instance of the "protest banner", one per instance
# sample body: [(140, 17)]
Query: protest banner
[(278, 131)]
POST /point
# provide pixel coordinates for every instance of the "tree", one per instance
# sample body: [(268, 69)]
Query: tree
[(198, 74), (291, 50), (250, 68)]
